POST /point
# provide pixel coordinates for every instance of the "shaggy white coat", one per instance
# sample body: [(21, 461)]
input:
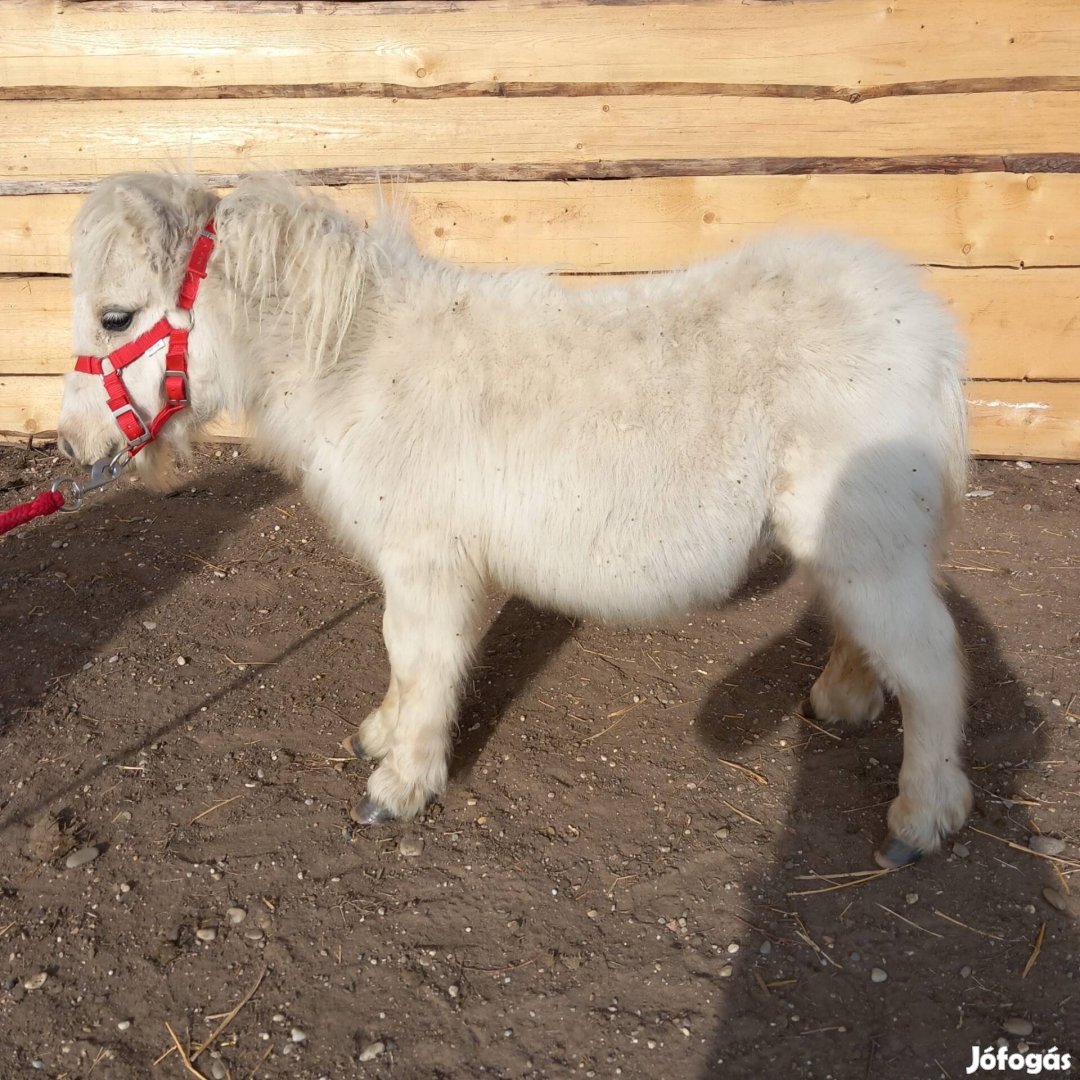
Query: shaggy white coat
[(619, 452)]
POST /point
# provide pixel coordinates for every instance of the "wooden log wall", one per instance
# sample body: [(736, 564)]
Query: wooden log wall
[(594, 138)]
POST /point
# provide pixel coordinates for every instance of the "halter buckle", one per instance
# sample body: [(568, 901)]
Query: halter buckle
[(182, 376), (140, 440)]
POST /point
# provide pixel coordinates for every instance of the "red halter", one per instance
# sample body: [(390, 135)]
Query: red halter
[(134, 429)]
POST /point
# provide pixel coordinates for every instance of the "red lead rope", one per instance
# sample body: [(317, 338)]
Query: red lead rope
[(48, 502)]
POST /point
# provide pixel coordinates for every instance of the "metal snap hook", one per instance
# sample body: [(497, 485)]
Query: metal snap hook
[(72, 492)]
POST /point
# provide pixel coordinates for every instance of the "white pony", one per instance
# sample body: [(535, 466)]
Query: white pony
[(620, 452)]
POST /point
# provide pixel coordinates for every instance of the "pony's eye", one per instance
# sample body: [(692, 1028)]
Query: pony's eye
[(114, 320)]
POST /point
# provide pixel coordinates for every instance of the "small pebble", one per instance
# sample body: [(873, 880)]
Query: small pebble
[(36, 982), (1017, 1025), (278, 1018), (733, 948), (254, 934), (878, 975), (911, 898), (453, 990), (765, 948), (181, 661), (298, 1035), (410, 846), (148, 625), (1047, 845), (961, 851), (217, 1070), (371, 1051), (236, 915), (965, 972), (1055, 899), (726, 971), (206, 933), (123, 1025), (81, 857)]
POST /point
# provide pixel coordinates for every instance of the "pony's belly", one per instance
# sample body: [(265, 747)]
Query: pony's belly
[(628, 585)]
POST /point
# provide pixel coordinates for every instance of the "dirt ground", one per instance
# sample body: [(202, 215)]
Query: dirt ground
[(643, 866)]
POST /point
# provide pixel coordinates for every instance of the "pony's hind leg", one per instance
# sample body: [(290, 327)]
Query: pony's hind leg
[(372, 738), (867, 530), (848, 692), (430, 628), (899, 621)]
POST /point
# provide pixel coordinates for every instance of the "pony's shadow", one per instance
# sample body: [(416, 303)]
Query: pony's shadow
[(841, 789), (517, 646), (521, 641), (78, 581)]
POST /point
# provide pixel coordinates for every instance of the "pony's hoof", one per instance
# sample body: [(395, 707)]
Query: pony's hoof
[(351, 745), (371, 813), (806, 709), (895, 853)]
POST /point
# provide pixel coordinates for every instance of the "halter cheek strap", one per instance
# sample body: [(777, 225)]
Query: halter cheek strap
[(162, 335)]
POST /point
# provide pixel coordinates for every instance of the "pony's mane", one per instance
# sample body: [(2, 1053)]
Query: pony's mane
[(301, 266)]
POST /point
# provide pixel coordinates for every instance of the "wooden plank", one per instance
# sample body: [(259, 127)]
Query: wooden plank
[(1009, 419), (1030, 420), (624, 225), (748, 43), (60, 141), (35, 325), (1020, 324), (849, 43)]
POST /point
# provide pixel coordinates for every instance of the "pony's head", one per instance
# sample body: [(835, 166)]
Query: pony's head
[(130, 246)]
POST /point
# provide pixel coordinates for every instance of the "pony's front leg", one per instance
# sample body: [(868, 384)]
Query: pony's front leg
[(430, 628)]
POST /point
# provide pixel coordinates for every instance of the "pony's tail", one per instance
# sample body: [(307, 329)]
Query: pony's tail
[(954, 432)]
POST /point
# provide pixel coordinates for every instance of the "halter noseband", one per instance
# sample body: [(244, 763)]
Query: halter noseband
[(135, 430)]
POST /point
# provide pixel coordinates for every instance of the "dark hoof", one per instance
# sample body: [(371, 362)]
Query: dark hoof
[(807, 709), (351, 745), (371, 813), (895, 853)]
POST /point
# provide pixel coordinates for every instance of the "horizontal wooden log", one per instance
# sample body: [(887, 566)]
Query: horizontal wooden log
[(1021, 324), (653, 224), (845, 43), (631, 169), (852, 95), (63, 141), (1038, 420)]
